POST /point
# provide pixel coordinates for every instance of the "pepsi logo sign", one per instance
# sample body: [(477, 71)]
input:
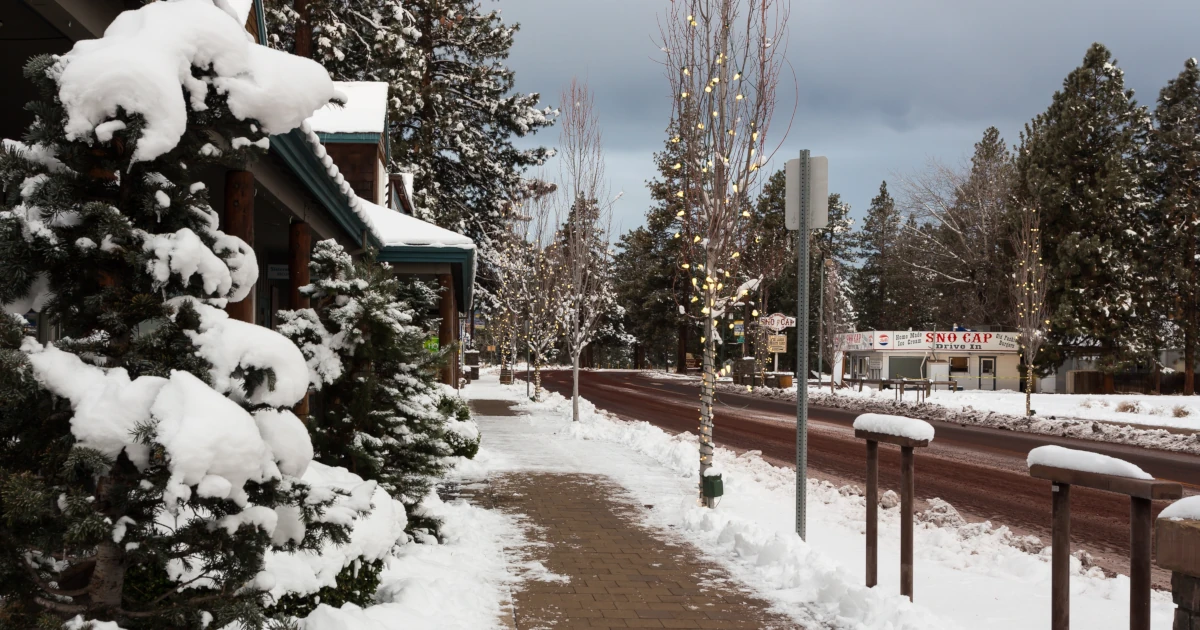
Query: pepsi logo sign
[(883, 340)]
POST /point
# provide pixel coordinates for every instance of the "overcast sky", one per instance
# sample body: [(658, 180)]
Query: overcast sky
[(883, 85)]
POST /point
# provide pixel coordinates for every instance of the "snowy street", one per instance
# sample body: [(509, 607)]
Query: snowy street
[(967, 575)]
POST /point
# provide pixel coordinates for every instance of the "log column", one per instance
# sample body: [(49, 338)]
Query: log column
[(448, 332), (304, 32), (239, 222), (299, 254)]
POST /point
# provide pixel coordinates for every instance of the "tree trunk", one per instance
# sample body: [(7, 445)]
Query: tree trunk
[(708, 381), (1028, 389), (304, 32), (1110, 386), (108, 578), (1189, 359), (575, 386), (681, 354)]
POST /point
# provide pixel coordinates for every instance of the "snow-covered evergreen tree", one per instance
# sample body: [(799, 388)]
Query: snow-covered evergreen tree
[(874, 282), (148, 459), (1175, 151), (380, 413), (1082, 162), (453, 111)]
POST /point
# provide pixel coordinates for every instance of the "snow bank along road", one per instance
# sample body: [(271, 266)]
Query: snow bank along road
[(979, 470)]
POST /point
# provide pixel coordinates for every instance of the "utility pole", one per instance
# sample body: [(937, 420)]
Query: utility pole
[(806, 209), (821, 324)]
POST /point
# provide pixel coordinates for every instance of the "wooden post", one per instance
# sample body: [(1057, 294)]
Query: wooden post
[(1140, 526), (907, 487), (239, 222), (448, 311), (1060, 559), (872, 513), (299, 254)]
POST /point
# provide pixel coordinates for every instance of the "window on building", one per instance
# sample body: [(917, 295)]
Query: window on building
[(960, 365)]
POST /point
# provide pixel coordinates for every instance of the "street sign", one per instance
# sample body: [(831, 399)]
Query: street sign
[(776, 343), (807, 189), (777, 322)]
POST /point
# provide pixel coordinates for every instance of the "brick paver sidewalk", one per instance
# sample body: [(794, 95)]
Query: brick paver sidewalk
[(619, 573)]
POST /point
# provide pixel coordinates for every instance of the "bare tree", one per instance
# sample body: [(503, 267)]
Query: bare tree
[(723, 59), (1029, 292), (584, 291), (540, 305), (962, 215), (837, 317)]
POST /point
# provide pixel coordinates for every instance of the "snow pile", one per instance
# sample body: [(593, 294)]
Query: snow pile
[(377, 526), (1003, 410), (1084, 461), (898, 426), (143, 64), (457, 584), (1185, 509), (970, 575), (364, 109)]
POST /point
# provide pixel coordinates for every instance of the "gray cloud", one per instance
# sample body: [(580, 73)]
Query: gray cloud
[(881, 86)]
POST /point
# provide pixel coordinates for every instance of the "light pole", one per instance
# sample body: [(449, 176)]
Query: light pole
[(806, 209)]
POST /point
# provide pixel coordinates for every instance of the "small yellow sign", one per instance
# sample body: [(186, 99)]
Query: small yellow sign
[(776, 343)]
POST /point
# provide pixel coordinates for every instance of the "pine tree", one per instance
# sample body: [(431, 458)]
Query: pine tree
[(148, 454), (364, 339), (1082, 162), (874, 282), (453, 112), (1175, 151), (650, 284)]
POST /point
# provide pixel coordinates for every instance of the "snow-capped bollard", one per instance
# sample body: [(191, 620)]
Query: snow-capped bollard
[(907, 433), (1064, 468), (1177, 535)]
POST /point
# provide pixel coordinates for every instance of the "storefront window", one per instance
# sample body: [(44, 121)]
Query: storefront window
[(959, 365)]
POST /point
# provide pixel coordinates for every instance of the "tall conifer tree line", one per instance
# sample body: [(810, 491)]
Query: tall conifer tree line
[(1117, 190)]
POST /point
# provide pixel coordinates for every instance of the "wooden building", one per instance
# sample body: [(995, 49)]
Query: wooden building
[(325, 180)]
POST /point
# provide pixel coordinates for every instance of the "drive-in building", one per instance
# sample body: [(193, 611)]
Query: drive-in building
[(975, 360)]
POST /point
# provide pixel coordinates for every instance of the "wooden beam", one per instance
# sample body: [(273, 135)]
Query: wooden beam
[(1141, 524), (872, 513), (1141, 488), (299, 254), (239, 222), (448, 330), (1060, 558), (889, 439), (907, 495)]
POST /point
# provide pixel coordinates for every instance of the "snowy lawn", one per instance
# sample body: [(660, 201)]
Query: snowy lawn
[(967, 575)]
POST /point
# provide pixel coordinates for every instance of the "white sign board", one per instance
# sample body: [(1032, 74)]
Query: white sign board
[(777, 322), (930, 341), (818, 193)]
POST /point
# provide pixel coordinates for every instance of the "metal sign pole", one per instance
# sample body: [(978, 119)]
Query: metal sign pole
[(802, 352)]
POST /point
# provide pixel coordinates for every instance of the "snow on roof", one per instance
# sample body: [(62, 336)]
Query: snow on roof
[(396, 228), (365, 110), (894, 425), (239, 9), (143, 64), (391, 228), (1084, 461)]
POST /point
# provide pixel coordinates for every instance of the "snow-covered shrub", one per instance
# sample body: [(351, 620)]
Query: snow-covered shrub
[(378, 401), (1128, 406), (1179, 411), (148, 458), (462, 433)]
